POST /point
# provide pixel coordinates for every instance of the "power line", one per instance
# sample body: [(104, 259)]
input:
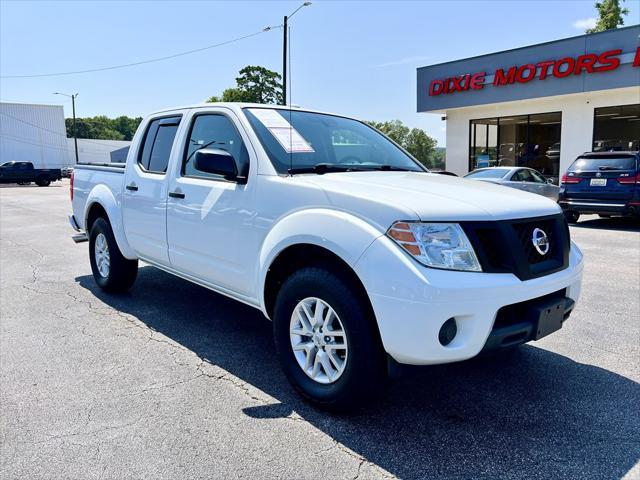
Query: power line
[(142, 62), (15, 138)]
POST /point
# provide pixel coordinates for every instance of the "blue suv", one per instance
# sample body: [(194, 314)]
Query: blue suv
[(606, 183)]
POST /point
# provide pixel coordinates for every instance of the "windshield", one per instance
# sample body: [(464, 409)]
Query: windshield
[(303, 141), (613, 162), (489, 173)]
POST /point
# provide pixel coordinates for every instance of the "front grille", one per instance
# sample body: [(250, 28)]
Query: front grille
[(506, 246), (525, 233)]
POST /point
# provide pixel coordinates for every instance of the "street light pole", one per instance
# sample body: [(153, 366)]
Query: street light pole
[(75, 131), (285, 51), (73, 108)]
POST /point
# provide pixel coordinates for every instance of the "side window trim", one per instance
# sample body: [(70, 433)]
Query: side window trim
[(185, 151), (164, 120)]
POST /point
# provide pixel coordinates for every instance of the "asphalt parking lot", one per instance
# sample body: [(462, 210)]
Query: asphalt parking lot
[(174, 381)]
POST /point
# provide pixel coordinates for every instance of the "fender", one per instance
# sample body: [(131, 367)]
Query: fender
[(342, 233), (103, 196)]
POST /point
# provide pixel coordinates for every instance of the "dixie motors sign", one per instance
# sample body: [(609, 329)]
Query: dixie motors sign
[(598, 61)]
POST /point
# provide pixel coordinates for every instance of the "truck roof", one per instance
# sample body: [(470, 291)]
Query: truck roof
[(241, 105)]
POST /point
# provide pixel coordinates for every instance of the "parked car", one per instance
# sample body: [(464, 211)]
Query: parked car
[(606, 183), (66, 172), (522, 178), (24, 173), (362, 258), (553, 152)]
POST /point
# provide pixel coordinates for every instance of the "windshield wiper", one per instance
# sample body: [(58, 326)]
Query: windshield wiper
[(392, 168), (608, 167), (321, 168)]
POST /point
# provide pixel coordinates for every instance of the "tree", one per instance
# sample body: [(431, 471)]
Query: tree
[(104, 128), (254, 85), (394, 129), (421, 146), (610, 15), (415, 140)]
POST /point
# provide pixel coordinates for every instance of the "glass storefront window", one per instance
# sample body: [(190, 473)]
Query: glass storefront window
[(522, 140), (484, 142), (616, 128)]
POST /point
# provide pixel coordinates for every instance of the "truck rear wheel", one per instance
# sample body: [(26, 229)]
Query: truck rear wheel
[(111, 271), (43, 181), (326, 341)]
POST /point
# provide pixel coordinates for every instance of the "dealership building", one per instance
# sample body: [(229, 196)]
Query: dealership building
[(538, 106)]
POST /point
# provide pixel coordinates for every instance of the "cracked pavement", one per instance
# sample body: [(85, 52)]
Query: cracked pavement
[(174, 381)]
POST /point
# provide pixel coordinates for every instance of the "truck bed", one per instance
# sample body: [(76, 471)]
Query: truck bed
[(86, 176)]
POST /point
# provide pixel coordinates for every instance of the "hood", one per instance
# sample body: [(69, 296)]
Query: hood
[(385, 197)]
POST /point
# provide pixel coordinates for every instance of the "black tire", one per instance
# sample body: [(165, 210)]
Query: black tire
[(572, 216), (364, 372), (122, 272), (43, 181)]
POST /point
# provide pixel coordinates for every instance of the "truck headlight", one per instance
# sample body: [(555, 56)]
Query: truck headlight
[(437, 245)]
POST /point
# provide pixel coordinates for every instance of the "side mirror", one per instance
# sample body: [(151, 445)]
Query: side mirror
[(550, 181), (217, 162)]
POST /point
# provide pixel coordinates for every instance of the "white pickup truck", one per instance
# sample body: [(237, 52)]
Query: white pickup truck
[(360, 257)]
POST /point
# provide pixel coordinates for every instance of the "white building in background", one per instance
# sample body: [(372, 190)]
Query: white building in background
[(33, 133), (37, 134), (98, 151)]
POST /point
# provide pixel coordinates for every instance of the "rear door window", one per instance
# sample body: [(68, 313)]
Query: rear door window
[(613, 162), (158, 141)]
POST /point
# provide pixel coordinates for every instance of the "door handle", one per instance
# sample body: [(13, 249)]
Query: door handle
[(132, 186), (176, 194)]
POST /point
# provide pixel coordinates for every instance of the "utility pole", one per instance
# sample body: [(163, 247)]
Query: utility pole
[(285, 51), (73, 108), (284, 62)]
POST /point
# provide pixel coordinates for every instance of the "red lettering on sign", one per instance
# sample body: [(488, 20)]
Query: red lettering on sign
[(436, 88), (636, 60), (501, 79), (608, 60), (544, 68), (526, 73), (477, 80), (558, 72), (585, 62)]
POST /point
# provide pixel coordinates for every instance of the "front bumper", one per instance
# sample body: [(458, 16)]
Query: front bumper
[(412, 302)]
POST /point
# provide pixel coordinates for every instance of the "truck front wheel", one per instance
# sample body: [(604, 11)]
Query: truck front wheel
[(325, 340), (111, 271)]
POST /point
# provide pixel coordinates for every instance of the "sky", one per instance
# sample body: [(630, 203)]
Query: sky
[(357, 58)]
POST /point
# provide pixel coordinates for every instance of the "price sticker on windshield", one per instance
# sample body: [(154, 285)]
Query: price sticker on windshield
[(287, 136), (291, 140)]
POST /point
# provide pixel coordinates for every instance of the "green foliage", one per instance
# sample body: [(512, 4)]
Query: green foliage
[(104, 128), (254, 85), (414, 140), (610, 15)]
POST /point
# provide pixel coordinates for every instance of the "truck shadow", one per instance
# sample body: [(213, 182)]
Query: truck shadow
[(532, 413)]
